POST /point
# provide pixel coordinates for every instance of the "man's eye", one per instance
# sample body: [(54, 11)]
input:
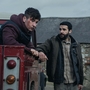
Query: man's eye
[(36, 21), (60, 29), (33, 20), (64, 29)]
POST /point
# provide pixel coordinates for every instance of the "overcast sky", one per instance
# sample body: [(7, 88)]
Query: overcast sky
[(47, 8)]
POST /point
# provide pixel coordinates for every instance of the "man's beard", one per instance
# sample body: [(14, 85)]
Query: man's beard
[(63, 37)]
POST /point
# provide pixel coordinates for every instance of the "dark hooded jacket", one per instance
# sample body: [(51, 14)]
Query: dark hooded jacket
[(11, 36), (55, 63)]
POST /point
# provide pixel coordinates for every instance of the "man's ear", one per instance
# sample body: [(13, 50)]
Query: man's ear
[(24, 19), (70, 31)]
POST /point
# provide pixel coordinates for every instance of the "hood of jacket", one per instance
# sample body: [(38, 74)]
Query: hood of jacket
[(18, 19)]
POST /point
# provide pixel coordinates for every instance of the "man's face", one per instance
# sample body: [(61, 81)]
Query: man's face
[(64, 32), (30, 23)]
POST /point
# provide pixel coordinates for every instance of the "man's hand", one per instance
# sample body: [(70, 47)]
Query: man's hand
[(29, 58), (80, 87), (42, 56), (34, 52)]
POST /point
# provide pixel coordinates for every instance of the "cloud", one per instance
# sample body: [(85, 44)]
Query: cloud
[(48, 8)]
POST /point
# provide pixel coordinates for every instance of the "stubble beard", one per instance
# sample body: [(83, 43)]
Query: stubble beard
[(64, 37)]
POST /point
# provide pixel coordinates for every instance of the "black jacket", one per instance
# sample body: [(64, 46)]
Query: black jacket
[(55, 65)]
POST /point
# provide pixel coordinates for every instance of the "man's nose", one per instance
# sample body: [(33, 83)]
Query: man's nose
[(34, 24), (61, 31)]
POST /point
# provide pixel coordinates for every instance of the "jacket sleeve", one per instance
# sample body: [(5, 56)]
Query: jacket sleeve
[(80, 66), (10, 37), (45, 47)]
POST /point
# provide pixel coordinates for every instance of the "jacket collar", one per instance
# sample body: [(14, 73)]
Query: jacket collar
[(73, 41)]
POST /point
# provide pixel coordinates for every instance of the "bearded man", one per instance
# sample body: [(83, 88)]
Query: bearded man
[(64, 65)]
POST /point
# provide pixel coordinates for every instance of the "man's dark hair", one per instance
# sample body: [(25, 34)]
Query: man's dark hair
[(67, 23), (33, 13)]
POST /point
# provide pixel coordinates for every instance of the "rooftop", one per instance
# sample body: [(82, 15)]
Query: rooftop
[(48, 27)]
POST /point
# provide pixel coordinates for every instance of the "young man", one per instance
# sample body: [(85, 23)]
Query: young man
[(27, 22), (64, 64)]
